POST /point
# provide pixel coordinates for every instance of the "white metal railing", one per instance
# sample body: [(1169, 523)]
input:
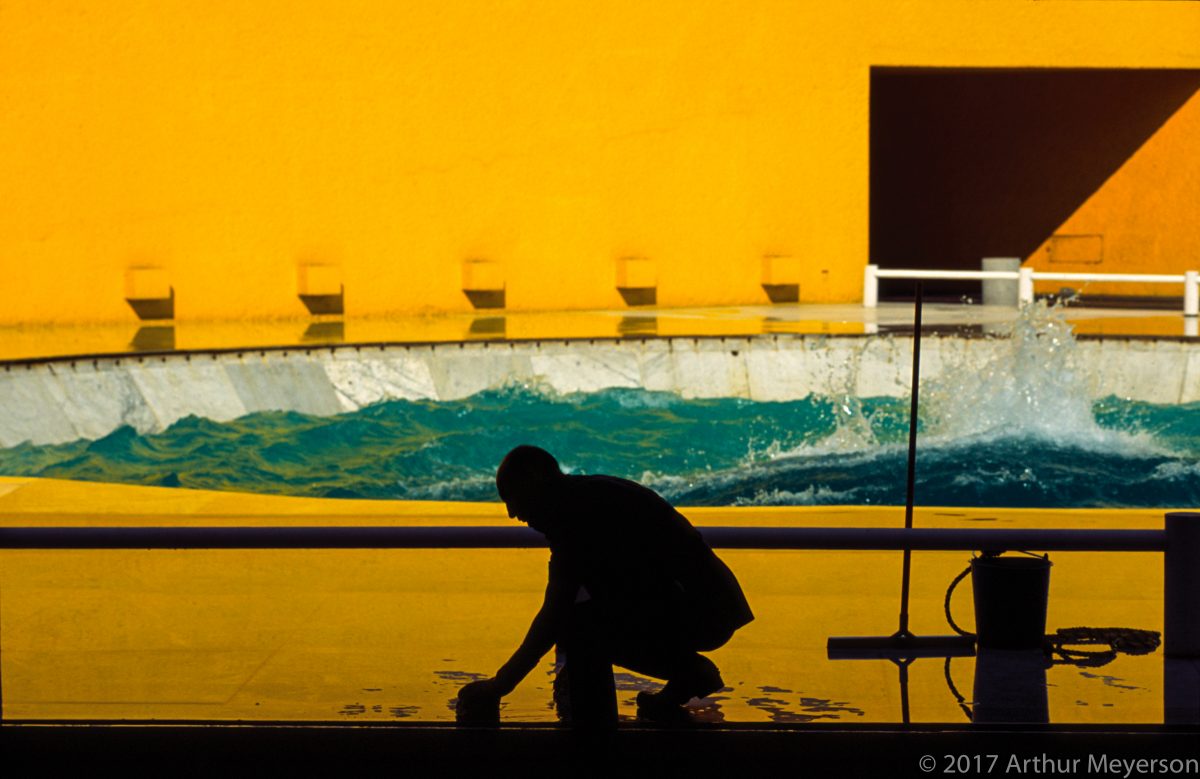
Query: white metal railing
[(1025, 277)]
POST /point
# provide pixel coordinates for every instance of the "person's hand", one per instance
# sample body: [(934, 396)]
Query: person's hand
[(480, 691), (479, 703)]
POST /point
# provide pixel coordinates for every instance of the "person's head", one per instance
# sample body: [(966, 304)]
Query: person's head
[(526, 480)]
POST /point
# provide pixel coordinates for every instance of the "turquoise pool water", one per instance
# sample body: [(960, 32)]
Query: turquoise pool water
[(1018, 432), (818, 450)]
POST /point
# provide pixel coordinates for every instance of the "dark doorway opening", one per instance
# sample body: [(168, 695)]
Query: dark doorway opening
[(974, 163)]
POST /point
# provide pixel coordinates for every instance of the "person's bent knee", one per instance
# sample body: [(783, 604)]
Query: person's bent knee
[(708, 640)]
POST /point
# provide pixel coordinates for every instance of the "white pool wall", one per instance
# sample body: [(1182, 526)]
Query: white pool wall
[(58, 401)]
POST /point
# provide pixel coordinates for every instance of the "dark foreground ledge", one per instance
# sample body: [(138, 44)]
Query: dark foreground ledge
[(491, 537), (807, 749)]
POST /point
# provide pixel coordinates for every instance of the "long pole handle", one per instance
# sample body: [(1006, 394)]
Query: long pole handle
[(912, 457)]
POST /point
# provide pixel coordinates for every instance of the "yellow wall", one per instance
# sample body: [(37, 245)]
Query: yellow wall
[(230, 141)]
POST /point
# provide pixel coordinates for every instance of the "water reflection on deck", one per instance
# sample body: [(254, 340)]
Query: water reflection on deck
[(392, 634)]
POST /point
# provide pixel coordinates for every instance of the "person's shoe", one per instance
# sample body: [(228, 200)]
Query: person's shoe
[(701, 682), (705, 683), (657, 707), (668, 703)]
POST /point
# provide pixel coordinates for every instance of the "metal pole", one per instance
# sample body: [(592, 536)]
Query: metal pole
[(1181, 691), (906, 574), (1181, 586), (870, 286), (1191, 293), (1024, 286)]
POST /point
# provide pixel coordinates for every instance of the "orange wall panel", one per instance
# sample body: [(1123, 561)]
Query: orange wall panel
[(1142, 220)]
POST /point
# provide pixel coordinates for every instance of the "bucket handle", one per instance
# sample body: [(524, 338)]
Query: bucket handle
[(950, 594), (997, 552)]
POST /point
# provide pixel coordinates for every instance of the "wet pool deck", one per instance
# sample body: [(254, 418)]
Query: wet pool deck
[(40, 342), (388, 636)]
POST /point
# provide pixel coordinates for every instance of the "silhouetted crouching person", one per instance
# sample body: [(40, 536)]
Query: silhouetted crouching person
[(631, 583)]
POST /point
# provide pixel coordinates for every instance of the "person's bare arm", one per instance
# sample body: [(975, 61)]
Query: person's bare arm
[(542, 634)]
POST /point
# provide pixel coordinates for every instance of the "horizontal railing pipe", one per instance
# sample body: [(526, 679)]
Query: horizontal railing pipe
[(1025, 278), (1148, 278), (936, 539), (952, 275), (486, 537)]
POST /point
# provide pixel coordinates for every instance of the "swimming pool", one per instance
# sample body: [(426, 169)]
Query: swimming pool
[(1022, 428)]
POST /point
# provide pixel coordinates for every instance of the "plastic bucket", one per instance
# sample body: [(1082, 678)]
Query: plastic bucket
[(1011, 594)]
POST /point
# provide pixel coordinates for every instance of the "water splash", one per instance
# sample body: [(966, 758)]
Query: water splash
[(1033, 388), (853, 431)]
